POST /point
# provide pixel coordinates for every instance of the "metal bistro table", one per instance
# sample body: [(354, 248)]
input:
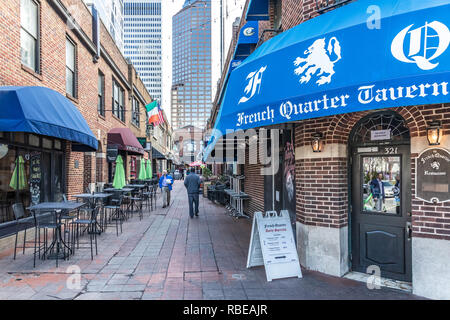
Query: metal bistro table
[(93, 199), (58, 208)]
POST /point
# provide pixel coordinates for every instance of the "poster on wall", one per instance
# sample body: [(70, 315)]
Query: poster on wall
[(35, 177), (272, 245), (433, 175)]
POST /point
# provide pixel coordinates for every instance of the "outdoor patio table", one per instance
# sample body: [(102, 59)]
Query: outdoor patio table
[(58, 208), (93, 198)]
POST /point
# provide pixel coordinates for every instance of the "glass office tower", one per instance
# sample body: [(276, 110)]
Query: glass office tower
[(191, 64), (142, 38)]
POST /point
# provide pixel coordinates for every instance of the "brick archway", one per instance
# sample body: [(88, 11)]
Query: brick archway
[(341, 125)]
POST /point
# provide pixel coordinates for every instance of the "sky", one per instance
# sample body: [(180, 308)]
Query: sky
[(231, 9)]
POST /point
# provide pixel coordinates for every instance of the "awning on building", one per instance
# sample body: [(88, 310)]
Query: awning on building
[(46, 112), (343, 61), (125, 140), (157, 155), (257, 10), (248, 38)]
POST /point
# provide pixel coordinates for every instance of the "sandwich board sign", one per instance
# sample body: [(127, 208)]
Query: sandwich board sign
[(272, 245)]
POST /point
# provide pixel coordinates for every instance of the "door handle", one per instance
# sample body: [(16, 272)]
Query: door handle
[(408, 230)]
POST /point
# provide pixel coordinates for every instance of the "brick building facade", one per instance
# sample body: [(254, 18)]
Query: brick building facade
[(70, 21), (324, 181)]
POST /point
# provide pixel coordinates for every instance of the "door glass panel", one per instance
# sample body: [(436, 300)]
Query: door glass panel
[(381, 184)]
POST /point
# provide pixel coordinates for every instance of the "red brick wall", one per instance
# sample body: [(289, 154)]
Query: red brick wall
[(321, 188)]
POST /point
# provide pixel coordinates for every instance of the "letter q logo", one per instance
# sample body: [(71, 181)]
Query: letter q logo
[(423, 44)]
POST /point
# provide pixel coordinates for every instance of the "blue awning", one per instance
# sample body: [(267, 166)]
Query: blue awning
[(257, 10), (358, 57), (248, 38), (46, 112)]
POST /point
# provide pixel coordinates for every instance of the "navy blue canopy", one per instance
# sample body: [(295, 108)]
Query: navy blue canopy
[(46, 112), (366, 55), (257, 10)]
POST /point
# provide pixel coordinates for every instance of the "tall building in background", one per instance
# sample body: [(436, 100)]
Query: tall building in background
[(143, 42), (111, 13), (191, 64)]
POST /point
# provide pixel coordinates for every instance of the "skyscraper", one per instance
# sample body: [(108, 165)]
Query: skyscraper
[(191, 66), (111, 13), (143, 41)]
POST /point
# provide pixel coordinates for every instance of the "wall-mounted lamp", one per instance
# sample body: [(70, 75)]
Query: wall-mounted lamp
[(317, 142), (434, 133)]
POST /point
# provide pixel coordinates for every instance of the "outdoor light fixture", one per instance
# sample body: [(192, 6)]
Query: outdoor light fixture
[(317, 142), (434, 133)]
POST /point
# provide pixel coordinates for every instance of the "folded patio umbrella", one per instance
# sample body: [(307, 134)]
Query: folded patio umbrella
[(149, 170), (142, 172), (18, 170), (119, 175)]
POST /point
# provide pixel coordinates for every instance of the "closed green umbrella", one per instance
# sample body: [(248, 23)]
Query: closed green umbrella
[(142, 172), (119, 175), (20, 170), (149, 169)]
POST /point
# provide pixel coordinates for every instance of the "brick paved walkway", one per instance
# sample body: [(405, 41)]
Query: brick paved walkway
[(169, 256)]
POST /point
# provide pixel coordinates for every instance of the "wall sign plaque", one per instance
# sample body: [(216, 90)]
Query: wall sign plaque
[(111, 153), (433, 175)]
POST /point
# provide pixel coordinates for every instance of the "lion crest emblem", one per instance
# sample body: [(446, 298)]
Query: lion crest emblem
[(318, 58)]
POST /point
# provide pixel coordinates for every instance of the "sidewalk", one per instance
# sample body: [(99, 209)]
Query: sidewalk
[(169, 256)]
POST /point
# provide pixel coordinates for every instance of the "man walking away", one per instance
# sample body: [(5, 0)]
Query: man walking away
[(192, 184), (165, 183)]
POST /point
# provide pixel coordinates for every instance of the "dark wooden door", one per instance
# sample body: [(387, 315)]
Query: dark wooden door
[(381, 207)]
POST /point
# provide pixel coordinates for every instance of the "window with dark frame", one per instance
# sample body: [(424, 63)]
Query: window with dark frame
[(135, 112), (70, 68), (118, 101), (101, 94), (29, 34)]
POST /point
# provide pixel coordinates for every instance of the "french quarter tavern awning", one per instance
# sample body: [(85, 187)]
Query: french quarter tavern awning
[(46, 112), (365, 55)]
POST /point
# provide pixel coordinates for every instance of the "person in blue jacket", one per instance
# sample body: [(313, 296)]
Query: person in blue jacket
[(165, 183), (377, 189)]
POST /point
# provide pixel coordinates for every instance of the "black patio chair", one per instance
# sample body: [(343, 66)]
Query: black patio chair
[(88, 220), (22, 224), (115, 210)]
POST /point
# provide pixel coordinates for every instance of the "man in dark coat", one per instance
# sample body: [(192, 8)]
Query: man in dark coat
[(192, 184)]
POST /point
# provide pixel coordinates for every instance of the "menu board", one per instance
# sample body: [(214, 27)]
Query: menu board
[(272, 245), (35, 177), (433, 175)]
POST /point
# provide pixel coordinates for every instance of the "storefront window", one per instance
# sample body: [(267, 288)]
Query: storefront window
[(381, 187), (33, 140), (19, 137), (47, 143), (57, 145), (29, 175), (7, 194)]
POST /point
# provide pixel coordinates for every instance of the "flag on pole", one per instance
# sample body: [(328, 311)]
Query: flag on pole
[(152, 112), (160, 116)]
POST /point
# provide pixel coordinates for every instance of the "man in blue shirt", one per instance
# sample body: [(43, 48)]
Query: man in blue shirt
[(165, 183)]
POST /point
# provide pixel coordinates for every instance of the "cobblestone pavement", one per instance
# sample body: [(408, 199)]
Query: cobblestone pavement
[(167, 255)]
